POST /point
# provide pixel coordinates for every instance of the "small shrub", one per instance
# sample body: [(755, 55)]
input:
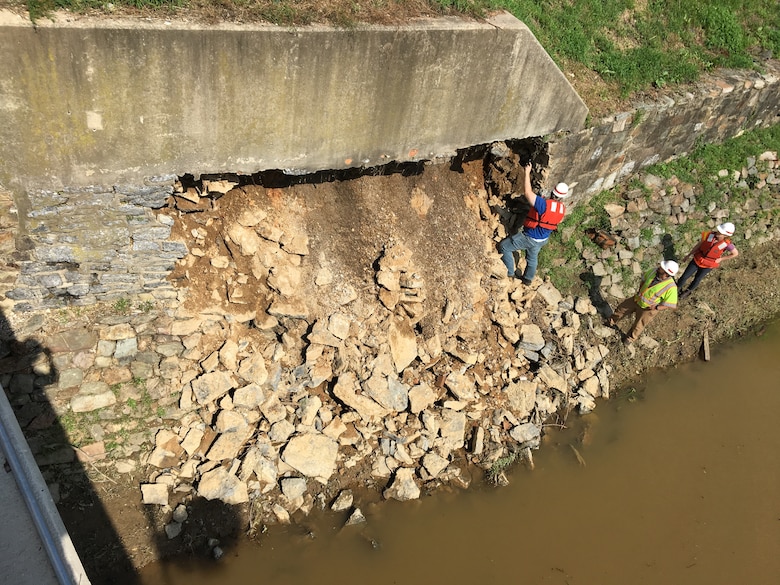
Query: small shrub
[(121, 305), (501, 464)]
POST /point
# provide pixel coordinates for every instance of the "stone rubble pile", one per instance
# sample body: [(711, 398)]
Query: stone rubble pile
[(247, 428), (384, 391)]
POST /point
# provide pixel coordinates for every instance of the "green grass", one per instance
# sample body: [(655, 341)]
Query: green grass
[(146, 306), (560, 259), (668, 42)]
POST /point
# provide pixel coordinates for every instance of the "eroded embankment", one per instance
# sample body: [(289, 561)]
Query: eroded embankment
[(331, 343)]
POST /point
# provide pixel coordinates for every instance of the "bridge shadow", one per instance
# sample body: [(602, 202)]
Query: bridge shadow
[(111, 530), (101, 510), (30, 376)]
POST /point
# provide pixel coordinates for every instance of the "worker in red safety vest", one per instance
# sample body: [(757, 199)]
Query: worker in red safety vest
[(657, 292), (542, 219), (714, 248)]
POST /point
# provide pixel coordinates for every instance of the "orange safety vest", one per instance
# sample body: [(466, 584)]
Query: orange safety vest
[(709, 250), (552, 216)]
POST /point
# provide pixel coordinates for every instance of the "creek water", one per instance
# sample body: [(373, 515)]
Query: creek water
[(677, 481)]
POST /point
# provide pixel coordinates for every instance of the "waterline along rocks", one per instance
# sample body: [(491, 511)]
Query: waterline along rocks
[(307, 354)]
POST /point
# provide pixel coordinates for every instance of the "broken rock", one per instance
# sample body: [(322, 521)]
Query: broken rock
[(209, 387), (314, 455), (403, 344), (218, 484), (404, 487)]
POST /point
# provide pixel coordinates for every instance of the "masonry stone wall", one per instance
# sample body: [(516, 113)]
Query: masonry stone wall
[(84, 245), (720, 106)]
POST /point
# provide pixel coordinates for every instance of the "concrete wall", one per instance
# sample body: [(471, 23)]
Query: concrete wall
[(100, 102)]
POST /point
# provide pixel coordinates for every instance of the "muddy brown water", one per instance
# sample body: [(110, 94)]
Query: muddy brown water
[(680, 484)]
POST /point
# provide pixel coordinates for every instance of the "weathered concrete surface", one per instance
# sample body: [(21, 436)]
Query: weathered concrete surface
[(97, 102)]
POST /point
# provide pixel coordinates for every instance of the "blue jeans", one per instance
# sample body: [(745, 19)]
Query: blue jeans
[(520, 241), (689, 270)]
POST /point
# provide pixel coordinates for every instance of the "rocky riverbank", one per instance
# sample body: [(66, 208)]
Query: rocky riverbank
[(335, 340)]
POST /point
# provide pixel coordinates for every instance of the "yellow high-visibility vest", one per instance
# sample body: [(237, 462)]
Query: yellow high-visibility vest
[(662, 293)]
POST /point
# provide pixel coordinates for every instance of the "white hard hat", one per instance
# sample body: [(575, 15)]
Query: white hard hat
[(670, 267), (727, 229), (561, 190)]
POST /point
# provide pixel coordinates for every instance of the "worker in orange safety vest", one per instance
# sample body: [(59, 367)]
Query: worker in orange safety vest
[(542, 219), (714, 247)]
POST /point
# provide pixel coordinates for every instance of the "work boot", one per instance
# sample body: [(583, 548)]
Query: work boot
[(685, 294)]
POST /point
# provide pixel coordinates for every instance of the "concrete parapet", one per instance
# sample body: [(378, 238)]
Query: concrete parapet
[(103, 102)]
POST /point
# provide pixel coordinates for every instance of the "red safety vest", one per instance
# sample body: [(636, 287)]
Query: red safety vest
[(709, 250), (552, 216)]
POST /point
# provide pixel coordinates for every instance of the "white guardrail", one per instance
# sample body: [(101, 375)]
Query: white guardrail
[(54, 537)]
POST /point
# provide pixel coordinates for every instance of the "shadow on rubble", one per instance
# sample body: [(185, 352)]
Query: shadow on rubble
[(103, 514), (209, 530), (593, 284), (29, 373)]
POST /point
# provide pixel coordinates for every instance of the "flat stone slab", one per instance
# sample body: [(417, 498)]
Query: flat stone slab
[(73, 340)]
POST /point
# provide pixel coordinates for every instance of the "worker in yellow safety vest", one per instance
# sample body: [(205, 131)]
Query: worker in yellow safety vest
[(657, 292)]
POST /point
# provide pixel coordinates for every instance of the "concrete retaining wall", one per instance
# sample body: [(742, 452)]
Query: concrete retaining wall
[(97, 102)]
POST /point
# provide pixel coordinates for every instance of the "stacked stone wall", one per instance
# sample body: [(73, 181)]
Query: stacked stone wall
[(82, 246), (612, 150)]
